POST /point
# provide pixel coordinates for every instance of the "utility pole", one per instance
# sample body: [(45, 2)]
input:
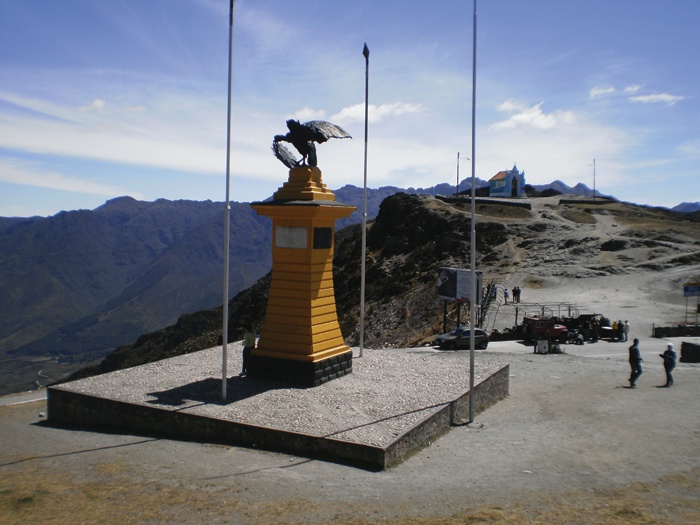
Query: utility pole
[(457, 187)]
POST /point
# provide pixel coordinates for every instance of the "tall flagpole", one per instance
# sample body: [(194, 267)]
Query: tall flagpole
[(472, 240), (227, 218), (365, 52)]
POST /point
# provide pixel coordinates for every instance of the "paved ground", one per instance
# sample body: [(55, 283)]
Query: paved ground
[(570, 445)]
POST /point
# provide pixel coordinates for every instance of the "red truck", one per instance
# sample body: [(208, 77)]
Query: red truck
[(537, 327)]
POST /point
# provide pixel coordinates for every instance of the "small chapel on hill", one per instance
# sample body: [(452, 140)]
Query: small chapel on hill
[(508, 183)]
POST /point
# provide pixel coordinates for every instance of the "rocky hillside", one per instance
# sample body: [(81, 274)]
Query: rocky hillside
[(528, 241)]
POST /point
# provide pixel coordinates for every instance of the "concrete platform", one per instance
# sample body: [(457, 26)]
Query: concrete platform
[(394, 402)]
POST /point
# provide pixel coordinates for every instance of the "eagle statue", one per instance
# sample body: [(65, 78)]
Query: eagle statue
[(302, 137)]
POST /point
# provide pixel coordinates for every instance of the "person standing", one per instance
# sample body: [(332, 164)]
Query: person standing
[(248, 346), (669, 357), (635, 363), (505, 295), (595, 330), (626, 329)]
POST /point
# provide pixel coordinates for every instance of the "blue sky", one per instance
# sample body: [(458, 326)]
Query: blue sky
[(103, 98)]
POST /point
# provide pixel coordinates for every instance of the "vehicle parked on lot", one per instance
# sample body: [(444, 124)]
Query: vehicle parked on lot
[(459, 338), (537, 327)]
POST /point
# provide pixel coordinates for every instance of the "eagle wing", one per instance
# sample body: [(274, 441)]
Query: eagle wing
[(284, 155), (321, 131)]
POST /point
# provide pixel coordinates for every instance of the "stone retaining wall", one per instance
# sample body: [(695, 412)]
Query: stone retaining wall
[(487, 392), (677, 331), (690, 353)]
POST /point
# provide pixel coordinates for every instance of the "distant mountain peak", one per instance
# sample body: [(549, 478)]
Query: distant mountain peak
[(687, 207), (124, 202)]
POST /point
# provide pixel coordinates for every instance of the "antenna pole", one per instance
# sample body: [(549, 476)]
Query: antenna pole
[(593, 179), (457, 187)]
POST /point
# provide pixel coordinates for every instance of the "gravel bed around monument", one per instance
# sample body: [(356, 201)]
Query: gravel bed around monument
[(388, 392)]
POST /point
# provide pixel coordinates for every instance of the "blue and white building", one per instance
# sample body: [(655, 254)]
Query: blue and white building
[(509, 183)]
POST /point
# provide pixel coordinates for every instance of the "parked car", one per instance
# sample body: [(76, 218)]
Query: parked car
[(459, 338)]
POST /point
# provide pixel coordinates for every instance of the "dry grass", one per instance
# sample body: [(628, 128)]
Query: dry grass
[(579, 216), (503, 211), (112, 493)]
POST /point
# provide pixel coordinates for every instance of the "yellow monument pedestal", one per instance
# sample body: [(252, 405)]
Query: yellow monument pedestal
[(300, 341)]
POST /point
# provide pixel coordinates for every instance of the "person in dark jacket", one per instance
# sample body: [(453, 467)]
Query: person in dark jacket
[(669, 357), (635, 364)]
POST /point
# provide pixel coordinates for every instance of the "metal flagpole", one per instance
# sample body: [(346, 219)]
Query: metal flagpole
[(365, 52), (227, 218), (472, 240)]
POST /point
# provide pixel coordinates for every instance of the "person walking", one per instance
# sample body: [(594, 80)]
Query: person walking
[(635, 363), (669, 357)]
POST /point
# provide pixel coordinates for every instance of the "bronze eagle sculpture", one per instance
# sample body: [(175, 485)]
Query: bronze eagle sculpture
[(302, 137)]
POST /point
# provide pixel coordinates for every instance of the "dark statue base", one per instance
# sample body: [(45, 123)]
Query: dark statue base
[(300, 372)]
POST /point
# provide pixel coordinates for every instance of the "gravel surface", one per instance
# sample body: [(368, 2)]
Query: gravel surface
[(387, 393)]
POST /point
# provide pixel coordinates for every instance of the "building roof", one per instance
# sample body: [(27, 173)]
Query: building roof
[(501, 175)]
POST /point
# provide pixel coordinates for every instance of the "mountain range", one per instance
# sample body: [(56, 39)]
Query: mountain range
[(80, 283)]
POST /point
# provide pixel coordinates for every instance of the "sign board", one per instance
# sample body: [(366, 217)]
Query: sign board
[(691, 290), (454, 284), (291, 237)]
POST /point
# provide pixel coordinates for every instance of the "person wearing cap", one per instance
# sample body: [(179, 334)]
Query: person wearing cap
[(669, 357), (635, 363)]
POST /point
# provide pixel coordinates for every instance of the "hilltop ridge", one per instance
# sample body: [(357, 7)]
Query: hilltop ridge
[(554, 242)]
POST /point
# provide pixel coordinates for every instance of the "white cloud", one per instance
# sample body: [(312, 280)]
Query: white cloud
[(632, 89), (183, 131), (691, 148), (16, 171), (306, 114), (97, 105), (664, 98), (375, 113), (597, 92), (531, 117)]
